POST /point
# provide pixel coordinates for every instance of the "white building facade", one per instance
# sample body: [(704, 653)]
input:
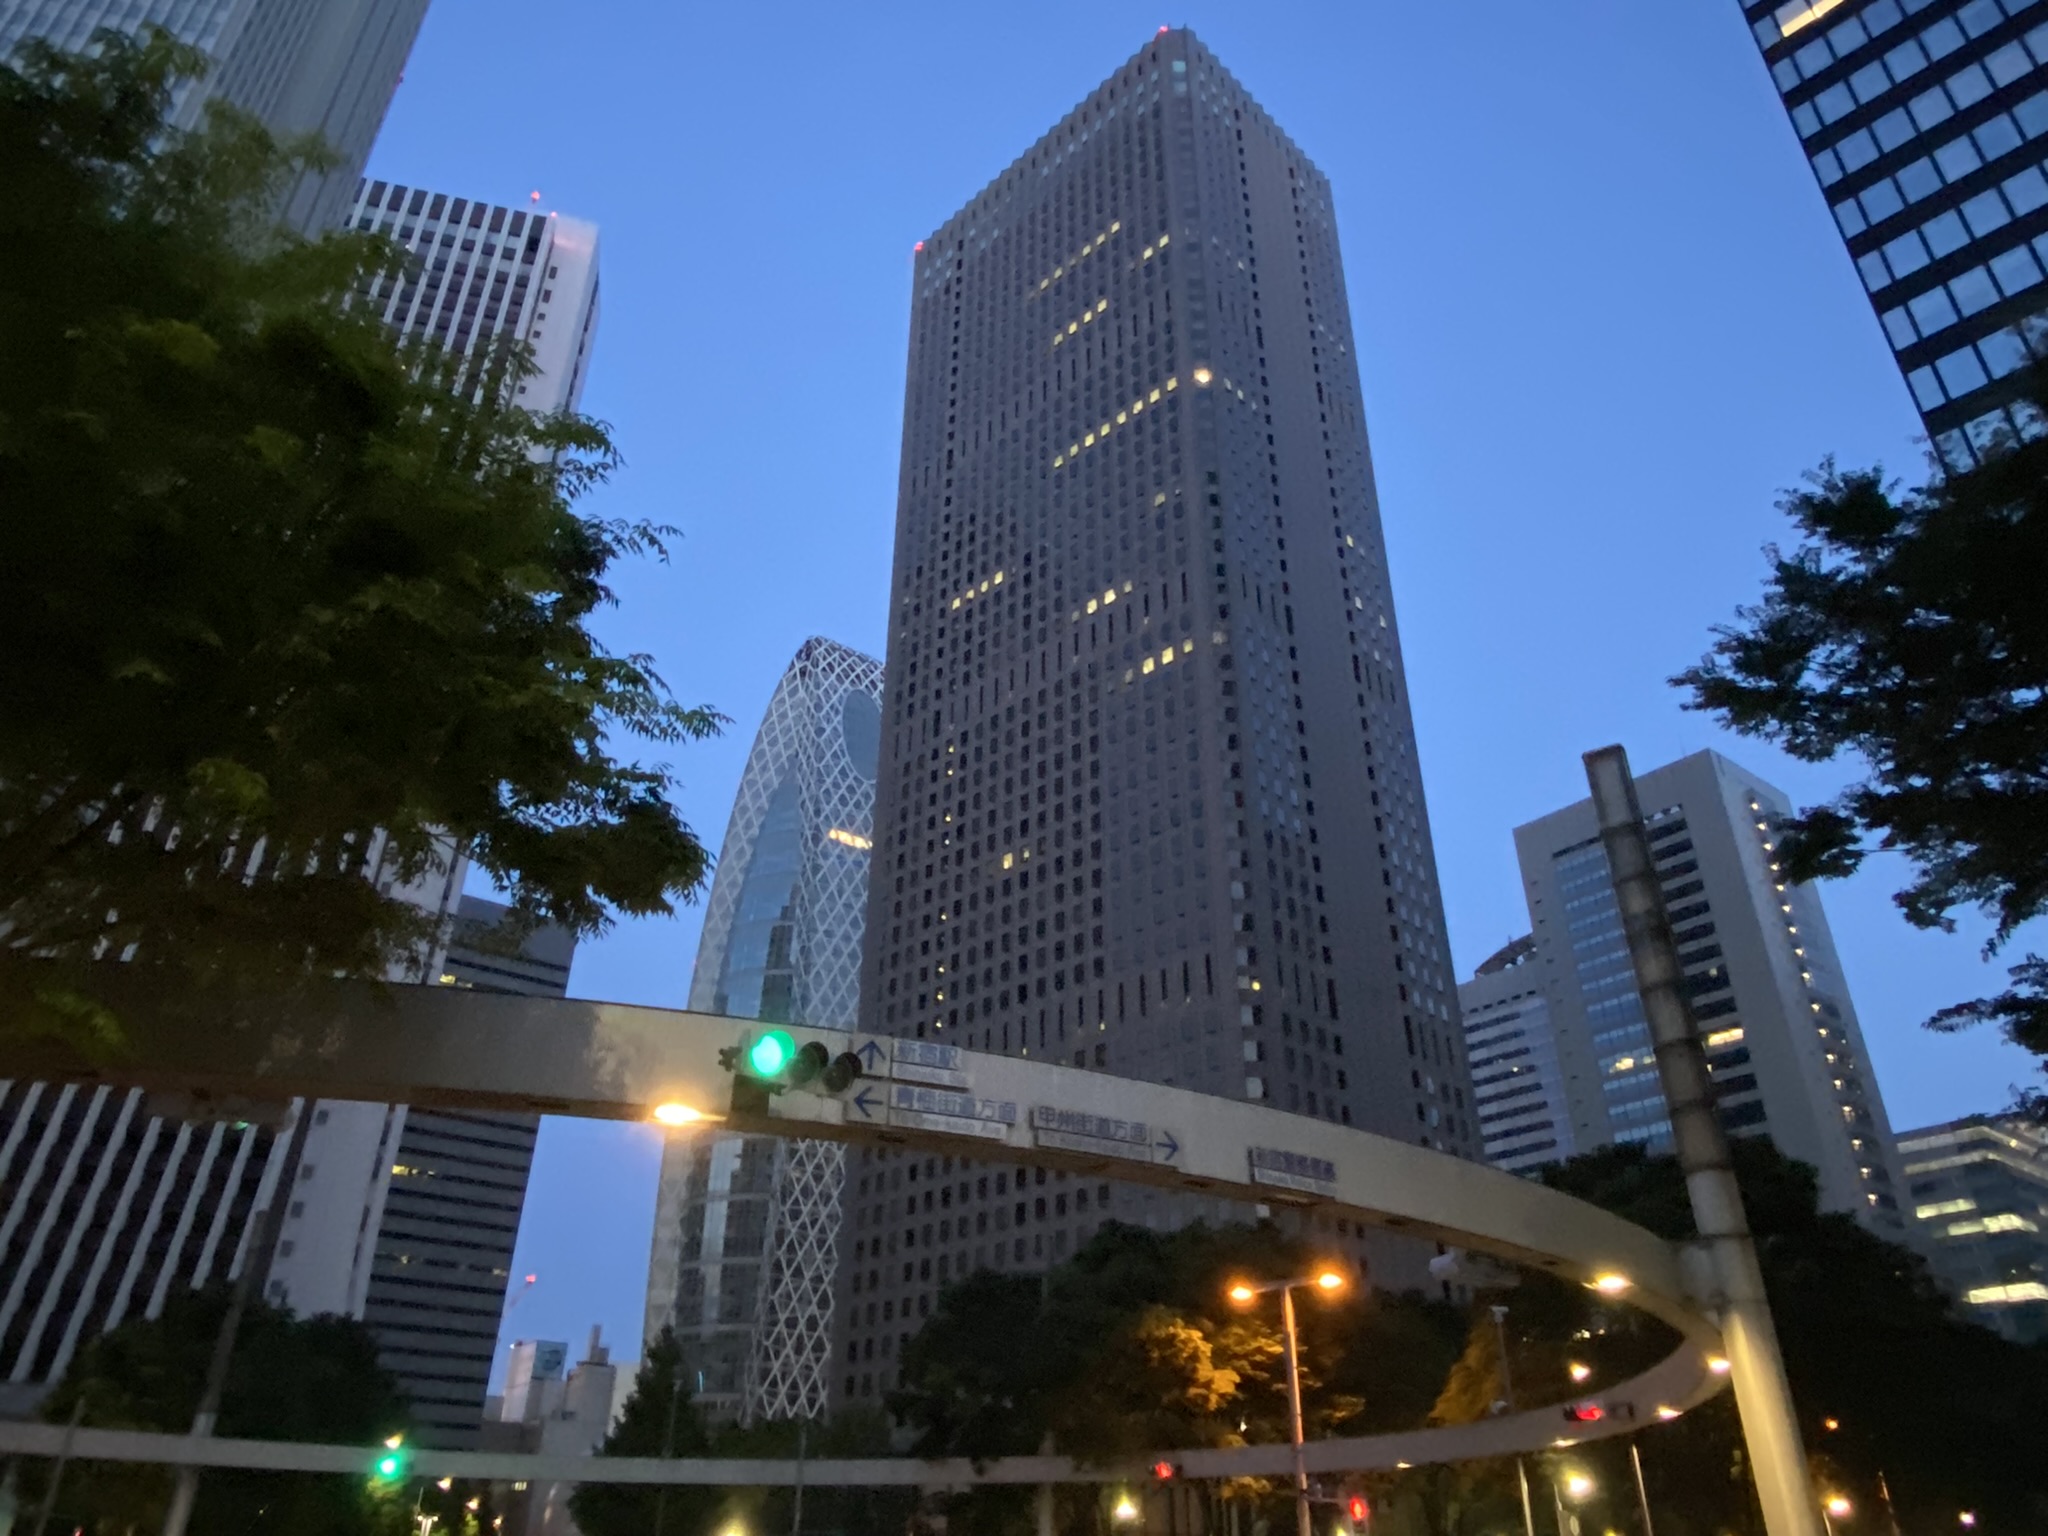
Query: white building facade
[(325, 67), (1783, 1042)]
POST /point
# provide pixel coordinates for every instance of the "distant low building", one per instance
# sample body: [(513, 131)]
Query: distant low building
[(1979, 1191), (543, 1414), (1517, 1084)]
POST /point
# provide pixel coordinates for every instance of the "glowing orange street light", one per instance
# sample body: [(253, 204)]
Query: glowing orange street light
[(1329, 1282)]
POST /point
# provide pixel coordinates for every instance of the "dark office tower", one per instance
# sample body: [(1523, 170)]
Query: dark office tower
[(419, 1246), (1149, 799), (1927, 124)]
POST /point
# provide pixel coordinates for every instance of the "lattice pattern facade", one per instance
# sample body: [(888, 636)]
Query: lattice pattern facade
[(746, 1236)]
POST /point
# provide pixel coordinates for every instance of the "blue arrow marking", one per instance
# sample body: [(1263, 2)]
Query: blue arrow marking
[(864, 1101), (1167, 1145), (869, 1055)]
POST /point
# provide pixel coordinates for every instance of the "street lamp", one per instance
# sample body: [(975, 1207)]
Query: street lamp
[(1577, 1485), (1329, 1282), (1507, 1402), (1126, 1510), (1967, 1518), (1832, 1508)]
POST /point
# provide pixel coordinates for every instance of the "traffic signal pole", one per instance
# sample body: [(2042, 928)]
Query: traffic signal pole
[(1763, 1395)]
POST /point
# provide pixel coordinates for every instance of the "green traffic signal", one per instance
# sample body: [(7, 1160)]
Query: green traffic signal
[(771, 1053), (390, 1466)]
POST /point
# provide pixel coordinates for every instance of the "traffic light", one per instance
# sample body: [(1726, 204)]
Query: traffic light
[(1584, 1413), (771, 1062), (1164, 1471), (1358, 1510), (389, 1467)]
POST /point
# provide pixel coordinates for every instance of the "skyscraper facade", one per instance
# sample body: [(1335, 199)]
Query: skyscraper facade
[(406, 1217), (1149, 799), (325, 67), (1518, 1092), (1926, 122), (1979, 1191), (487, 273), (1784, 1047), (746, 1238), (112, 1199)]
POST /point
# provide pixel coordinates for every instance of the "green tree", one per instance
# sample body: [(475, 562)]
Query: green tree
[(304, 1379), (1949, 1412), (660, 1418), (1906, 633), (303, 601)]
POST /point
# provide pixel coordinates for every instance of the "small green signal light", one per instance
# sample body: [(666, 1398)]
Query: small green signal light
[(770, 1053), (388, 1467)]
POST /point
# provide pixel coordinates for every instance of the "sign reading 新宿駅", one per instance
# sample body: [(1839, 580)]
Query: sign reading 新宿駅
[(957, 1114), (920, 1061), (1293, 1170)]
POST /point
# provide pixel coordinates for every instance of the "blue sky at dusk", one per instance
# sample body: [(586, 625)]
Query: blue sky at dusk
[(1602, 317)]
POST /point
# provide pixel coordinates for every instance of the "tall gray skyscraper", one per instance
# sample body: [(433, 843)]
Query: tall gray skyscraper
[(1149, 799), (746, 1235), (1783, 1042), (1924, 121), (326, 67)]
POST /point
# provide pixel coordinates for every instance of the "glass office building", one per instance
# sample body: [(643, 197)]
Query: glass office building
[(1979, 1189), (746, 1238), (1926, 122)]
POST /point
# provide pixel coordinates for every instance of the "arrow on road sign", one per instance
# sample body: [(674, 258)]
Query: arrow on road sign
[(1169, 1149), (865, 1102), (870, 1053)]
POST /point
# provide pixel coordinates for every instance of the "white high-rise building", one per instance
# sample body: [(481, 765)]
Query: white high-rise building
[(326, 67), (110, 1201), (486, 273), (1783, 1043), (746, 1235), (107, 1202)]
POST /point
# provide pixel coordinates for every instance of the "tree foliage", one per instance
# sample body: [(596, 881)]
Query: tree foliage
[(661, 1418), (306, 1379), (290, 603), (1905, 632)]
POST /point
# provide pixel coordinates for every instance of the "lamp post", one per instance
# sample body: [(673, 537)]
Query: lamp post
[(1507, 1393), (1576, 1485), (1832, 1508), (1243, 1292)]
